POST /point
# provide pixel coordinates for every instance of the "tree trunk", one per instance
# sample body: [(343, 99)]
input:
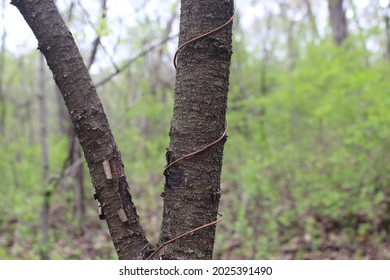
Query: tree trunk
[(192, 187), (2, 69), (74, 156), (338, 21), (387, 22), (46, 193), (312, 19), (89, 120)]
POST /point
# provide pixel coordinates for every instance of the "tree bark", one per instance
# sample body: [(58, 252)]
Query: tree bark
[(89, 120), (338, 21), (192, 187)]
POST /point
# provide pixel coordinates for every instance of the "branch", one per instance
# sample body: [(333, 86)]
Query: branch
[(97, 41), (133, 59), (90, 122)]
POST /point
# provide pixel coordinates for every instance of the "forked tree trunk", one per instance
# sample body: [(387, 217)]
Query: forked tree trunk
[(192, 188)]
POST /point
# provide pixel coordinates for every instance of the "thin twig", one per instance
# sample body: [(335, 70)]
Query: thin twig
[(132, 60)]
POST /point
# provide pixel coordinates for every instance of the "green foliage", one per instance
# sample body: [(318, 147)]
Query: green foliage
[(311, 149)]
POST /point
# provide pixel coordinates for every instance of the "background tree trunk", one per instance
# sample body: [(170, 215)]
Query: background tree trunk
[(75, 155), (89, 120), (46, 193), (312, 20), (2, 67), (338, 21), (192, 187), (387, 23)]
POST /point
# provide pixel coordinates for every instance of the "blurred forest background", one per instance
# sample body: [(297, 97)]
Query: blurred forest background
[(307, 162)]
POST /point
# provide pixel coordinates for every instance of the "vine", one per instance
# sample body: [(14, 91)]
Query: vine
[(200, 149)]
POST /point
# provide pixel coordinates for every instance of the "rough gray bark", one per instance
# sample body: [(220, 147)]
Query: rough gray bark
[(72, 162), (192, 188), (89, 120), (338, 21)]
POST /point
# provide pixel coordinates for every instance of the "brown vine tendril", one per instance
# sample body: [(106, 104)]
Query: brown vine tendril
[(198, 151), (201, 36), (184, 234), (176, 161)]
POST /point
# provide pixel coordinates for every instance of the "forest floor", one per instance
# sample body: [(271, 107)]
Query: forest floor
[(91, 240)]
